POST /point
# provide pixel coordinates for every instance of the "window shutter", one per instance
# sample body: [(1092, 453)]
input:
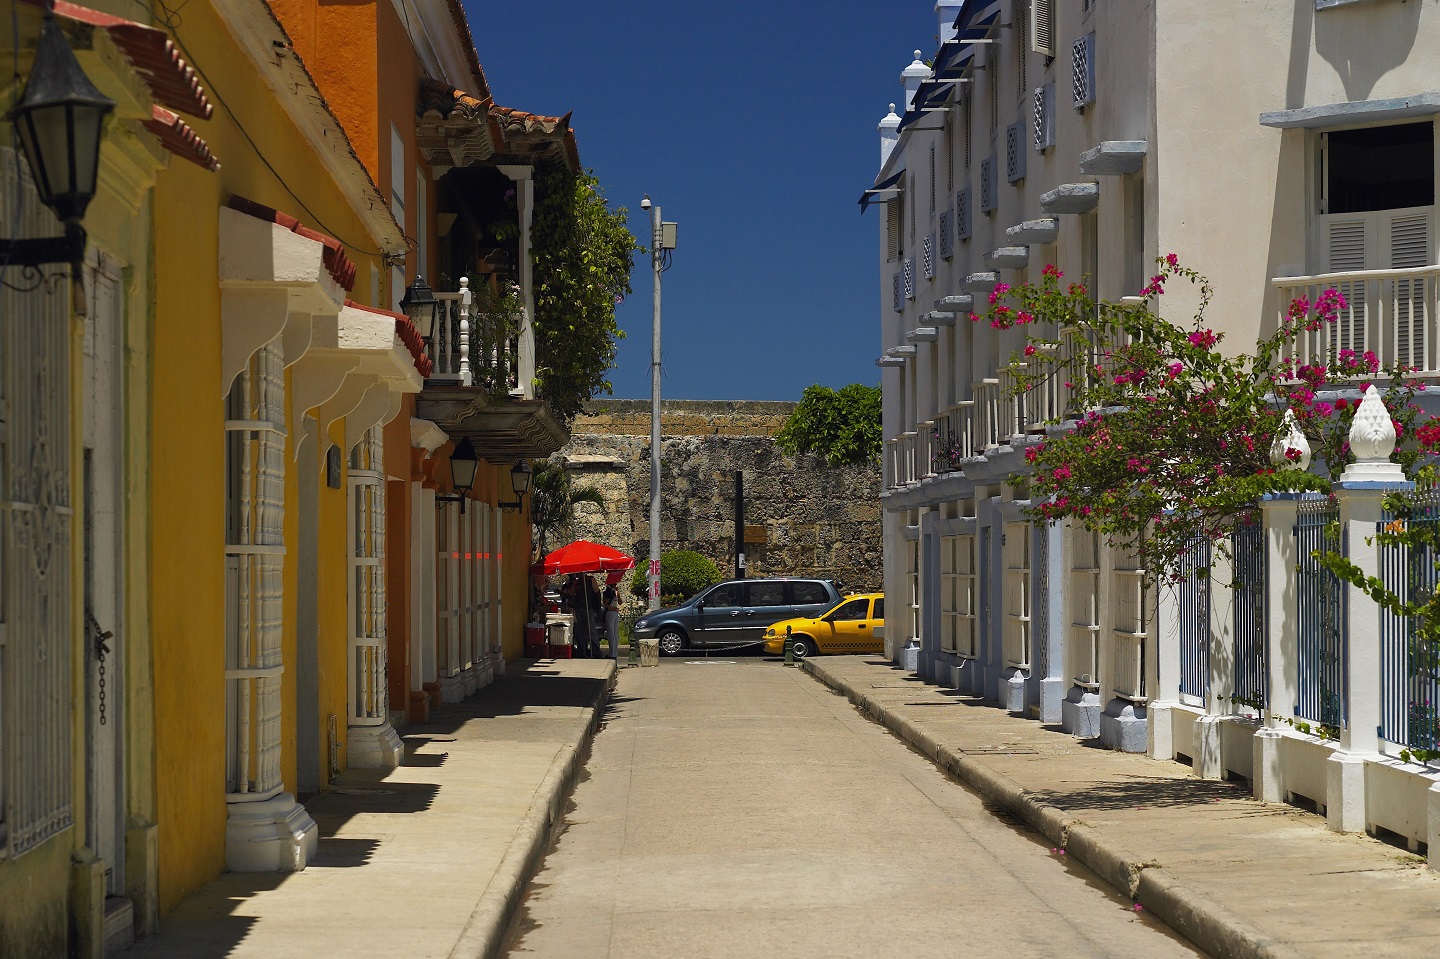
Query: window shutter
[(1410, 247), (1014, 153), (897, 296), (932, 179), (927, 256), (969, 136), (1044, 117), (950, 151), (1082, 71), (892, 238), (1346, 240), (909, 278), (987, 184), (1042, 26), (1410, 241), (947, 247), (962, 214)]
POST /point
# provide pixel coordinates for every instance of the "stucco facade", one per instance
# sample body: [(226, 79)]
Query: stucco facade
[(1097, 137)]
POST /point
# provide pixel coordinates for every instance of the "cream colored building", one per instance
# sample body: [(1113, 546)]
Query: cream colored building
[(1267, 144)]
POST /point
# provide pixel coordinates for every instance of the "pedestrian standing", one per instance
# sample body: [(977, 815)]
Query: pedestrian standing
[(596, 611), (611, 598)]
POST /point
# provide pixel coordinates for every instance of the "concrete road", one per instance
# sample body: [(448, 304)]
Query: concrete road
[(739, 808)]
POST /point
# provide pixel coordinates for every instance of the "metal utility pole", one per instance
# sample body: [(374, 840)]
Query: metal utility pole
[(662, 240), (739, 525)]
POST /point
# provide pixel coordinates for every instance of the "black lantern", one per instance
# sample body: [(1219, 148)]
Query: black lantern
[(519, 482), (419, 304), (59, 119), (463, 464)]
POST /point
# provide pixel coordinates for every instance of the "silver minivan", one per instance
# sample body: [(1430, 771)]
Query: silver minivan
[(736, 612)]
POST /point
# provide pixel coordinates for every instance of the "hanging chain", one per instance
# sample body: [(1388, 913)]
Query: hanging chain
[(102, 649)]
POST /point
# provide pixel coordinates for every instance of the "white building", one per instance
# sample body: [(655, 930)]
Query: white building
[(1266, 143)]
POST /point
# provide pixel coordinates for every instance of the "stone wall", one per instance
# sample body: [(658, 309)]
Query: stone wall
[(803, 518)]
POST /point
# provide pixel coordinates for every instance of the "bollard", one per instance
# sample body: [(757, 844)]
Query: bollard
[(634, 650), (789, 649)]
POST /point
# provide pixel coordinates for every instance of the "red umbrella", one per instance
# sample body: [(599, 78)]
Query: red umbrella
[(583, 556)]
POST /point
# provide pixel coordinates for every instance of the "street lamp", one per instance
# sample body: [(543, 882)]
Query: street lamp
[(520, 482), (463, 464), (420, 305), (662, 241), (59, 120)]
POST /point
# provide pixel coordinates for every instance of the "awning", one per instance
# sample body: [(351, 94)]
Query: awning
[(152, 53), (955, 58), (930, 97), (337, 264), (884, 186), (405, 330)]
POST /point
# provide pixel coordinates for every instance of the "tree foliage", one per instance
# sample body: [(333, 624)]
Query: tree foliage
[(553, 498), (842, 426), (583, 257), (683, 573)]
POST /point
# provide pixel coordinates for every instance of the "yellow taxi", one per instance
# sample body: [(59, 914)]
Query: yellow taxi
[(856, 624)]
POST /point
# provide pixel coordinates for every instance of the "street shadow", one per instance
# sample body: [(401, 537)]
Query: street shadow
[(338, 853), (1146, 792)]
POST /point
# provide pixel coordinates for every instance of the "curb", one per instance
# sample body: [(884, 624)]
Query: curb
[(1206, 923), (484, 931)]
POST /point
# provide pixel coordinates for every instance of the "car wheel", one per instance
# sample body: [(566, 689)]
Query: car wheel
[(803, 646), (671, 641)]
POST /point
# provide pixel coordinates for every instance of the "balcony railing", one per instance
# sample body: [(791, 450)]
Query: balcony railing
[(1392, 313), (474, 347), (926, 449)]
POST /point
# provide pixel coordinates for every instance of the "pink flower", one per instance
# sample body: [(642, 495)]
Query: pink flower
[(1051, 270), (1175, 369), (1061, 472), (1172, 261), (1203, 339), (1029, 349)]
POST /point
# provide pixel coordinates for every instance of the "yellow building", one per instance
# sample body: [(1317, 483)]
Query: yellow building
[(270, 388), (77, 798)]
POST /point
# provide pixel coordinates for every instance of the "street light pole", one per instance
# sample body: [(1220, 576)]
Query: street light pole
[(656, 255)]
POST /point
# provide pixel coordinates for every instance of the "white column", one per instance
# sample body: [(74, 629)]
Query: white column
[(525, 200), (1361, 491)]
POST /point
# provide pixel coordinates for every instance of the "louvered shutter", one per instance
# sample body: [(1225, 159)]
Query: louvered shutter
[(1346, 243), (1015, 152), (947, 246), (892, 239), (1082, 71), (962, 214), (1042, 26), (1409, 248), (898, 293), (1044, 117), (932, 179)]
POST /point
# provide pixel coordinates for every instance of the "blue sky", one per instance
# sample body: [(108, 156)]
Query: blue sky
[(752, 124)]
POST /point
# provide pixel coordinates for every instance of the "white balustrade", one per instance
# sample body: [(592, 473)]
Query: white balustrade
[(1392, 313)]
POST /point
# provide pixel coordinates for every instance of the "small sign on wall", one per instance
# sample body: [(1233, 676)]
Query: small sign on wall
[(333, 478)]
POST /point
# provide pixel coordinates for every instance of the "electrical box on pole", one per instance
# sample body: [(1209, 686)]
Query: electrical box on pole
[(667, 236)]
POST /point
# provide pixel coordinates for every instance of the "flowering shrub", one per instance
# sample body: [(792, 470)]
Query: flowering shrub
[(1167, 436)]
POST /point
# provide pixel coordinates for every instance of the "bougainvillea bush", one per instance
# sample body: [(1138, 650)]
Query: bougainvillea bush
[(1168, 436)]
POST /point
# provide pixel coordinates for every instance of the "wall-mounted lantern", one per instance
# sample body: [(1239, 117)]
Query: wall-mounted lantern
[(463, 464), (420, 305), (520, 482), (59, 119)]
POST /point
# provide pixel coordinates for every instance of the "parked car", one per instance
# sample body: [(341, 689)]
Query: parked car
[(736, 612), (856, 624)]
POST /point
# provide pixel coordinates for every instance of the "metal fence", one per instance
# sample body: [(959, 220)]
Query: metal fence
[(1247, 545), (1409, 671), (1320, 615), (1192, 603)]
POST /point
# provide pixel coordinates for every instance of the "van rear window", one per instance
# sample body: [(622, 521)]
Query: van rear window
[(809, 591)]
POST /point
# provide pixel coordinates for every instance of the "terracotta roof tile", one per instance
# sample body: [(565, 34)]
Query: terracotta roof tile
[(405, 329), (172, 82), (176, 136), (337, 263)]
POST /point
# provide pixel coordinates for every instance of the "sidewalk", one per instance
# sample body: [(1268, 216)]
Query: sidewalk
[(1236, 876), (427, 860)]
